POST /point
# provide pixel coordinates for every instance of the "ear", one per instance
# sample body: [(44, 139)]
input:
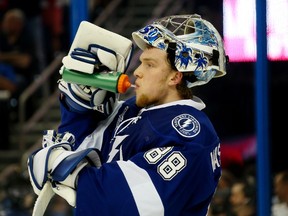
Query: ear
[(175, 78)]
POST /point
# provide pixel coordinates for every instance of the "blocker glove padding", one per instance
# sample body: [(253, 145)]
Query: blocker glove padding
[(94, 47), (94, 50), (39, 166), (58, 165), (81, 99)]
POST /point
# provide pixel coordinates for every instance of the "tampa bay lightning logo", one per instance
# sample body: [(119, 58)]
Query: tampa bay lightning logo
[(186, 125)]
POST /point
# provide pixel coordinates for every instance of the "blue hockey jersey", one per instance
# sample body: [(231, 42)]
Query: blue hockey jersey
[(162, 160)]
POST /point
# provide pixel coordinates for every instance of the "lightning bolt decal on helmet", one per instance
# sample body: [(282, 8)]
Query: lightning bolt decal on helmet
[(192, 43)]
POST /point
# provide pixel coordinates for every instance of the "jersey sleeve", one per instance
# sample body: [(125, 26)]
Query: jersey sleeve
[(80, 125), (161, 181)]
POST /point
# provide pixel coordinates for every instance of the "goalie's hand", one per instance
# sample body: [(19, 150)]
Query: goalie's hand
[(38, 161), (67, 188), (81, 99), (65, 169), (40, 164), (58, 164), (96, 48)]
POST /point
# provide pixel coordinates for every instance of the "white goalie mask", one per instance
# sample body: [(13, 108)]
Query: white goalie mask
[(192, 43)]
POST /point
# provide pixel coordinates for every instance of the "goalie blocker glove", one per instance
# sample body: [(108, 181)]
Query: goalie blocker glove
[(38, 161), (94, 50), (81, 99), (60, 166), (66, 167), (94, 47)]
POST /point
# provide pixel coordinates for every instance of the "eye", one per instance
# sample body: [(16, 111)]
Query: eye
[(149, 65)]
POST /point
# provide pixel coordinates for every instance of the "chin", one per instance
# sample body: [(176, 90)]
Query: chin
[(142, 101)]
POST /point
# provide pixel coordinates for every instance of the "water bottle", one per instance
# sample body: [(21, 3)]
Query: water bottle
[(111, 81)]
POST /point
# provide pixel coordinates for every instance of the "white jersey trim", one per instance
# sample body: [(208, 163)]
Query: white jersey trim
[(144, 192), (95, 139), (196, 102)]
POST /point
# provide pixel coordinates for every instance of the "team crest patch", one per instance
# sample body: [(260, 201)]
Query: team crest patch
[(186, 125)]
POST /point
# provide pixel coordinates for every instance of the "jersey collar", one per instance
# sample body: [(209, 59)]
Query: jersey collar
[(196, 102)]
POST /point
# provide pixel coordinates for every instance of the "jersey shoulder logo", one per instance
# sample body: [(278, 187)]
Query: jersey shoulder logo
[(186, 125)]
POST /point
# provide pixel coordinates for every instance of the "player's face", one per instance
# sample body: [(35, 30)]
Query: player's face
[(154, 78)]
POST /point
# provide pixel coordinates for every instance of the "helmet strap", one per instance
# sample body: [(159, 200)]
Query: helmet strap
[(171, 54), (215, 57)]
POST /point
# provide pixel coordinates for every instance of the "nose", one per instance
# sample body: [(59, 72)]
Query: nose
[(137, 72)]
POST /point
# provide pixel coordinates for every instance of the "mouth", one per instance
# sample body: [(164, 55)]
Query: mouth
[(136, 85)]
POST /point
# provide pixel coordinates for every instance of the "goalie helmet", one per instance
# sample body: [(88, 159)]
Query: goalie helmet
[(192, 43)]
